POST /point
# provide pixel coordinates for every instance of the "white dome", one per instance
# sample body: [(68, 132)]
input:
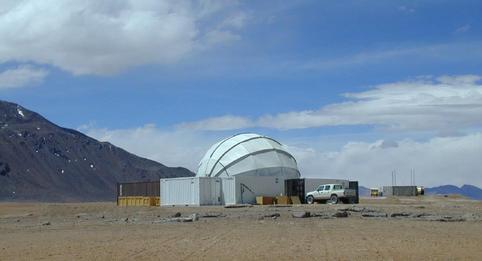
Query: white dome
[(248, 154)]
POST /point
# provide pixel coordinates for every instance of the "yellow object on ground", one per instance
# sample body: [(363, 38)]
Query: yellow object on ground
[(157, 201), (283, 200), (295, 200), (374, 192), (264, 200), (137, 201)]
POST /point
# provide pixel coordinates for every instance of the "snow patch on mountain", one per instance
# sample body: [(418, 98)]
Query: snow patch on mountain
[(20, 112)]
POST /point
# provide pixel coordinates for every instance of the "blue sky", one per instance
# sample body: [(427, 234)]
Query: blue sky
[(205, 70)]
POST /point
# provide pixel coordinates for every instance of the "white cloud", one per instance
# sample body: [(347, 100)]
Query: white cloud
[(227, 122), (438, 161), (445, 104), (21, 76), (105, 37)]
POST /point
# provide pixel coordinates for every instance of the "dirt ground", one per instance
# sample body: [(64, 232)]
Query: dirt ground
[(428, 228)]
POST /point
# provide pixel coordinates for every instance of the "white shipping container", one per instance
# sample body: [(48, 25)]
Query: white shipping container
[(191, 191), (199, 191)]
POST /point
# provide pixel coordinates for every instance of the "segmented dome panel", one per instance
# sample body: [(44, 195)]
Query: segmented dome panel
[(247, 154)]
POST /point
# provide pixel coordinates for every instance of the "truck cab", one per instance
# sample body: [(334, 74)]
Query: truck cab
[(332, 193)]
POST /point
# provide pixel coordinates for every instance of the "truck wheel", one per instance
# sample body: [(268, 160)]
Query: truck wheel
[(334, 199), (310, 200)]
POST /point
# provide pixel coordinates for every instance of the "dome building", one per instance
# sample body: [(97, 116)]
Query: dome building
[(245, 168), (234, 171), (248, 154)]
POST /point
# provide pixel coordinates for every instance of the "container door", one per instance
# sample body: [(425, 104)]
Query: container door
[(228, 191), (217, 192), (192, 193)]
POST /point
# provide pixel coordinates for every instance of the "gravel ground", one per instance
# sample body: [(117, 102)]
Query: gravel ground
[(433, 228)]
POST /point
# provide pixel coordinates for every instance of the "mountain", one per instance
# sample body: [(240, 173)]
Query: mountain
[(44, 162), (363, 191), (469, 191)]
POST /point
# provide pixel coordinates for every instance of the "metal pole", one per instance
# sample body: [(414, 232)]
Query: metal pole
[(411, 177), (395, 173), (392, 178), (414, 183)]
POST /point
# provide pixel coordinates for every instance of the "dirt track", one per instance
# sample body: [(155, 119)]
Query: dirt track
[(102, 231)]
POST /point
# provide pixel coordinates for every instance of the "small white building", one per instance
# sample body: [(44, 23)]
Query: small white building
[(190, 191), (233, 171)]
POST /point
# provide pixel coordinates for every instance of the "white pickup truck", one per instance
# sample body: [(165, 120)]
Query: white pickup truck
[(332, 193)]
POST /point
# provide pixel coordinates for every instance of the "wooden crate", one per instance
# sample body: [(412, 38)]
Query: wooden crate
[(283, 200), (137, 201), (264, 200)]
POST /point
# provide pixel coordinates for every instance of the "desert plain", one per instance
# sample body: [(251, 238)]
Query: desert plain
[(421, 228)]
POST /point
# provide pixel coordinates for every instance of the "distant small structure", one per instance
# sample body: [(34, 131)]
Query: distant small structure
[(374, 192), (407, 191)]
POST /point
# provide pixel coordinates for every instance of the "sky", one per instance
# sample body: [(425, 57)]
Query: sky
[(353, 89)]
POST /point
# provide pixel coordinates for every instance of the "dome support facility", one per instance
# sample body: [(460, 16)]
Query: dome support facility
[(234, 171), (238, 169)]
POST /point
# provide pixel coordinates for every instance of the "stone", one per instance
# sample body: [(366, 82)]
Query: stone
[(340, 214), (375, 214), (194, 217), (213, 215), (421, 215), (401, 214), (177, 214), (357, 209), (179, 219), (322, 215), (188, 219), (301, 214), (445, 219), (272, 215)]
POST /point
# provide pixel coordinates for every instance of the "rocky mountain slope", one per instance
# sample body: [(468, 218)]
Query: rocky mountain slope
[(42, 161), (469, 191)]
